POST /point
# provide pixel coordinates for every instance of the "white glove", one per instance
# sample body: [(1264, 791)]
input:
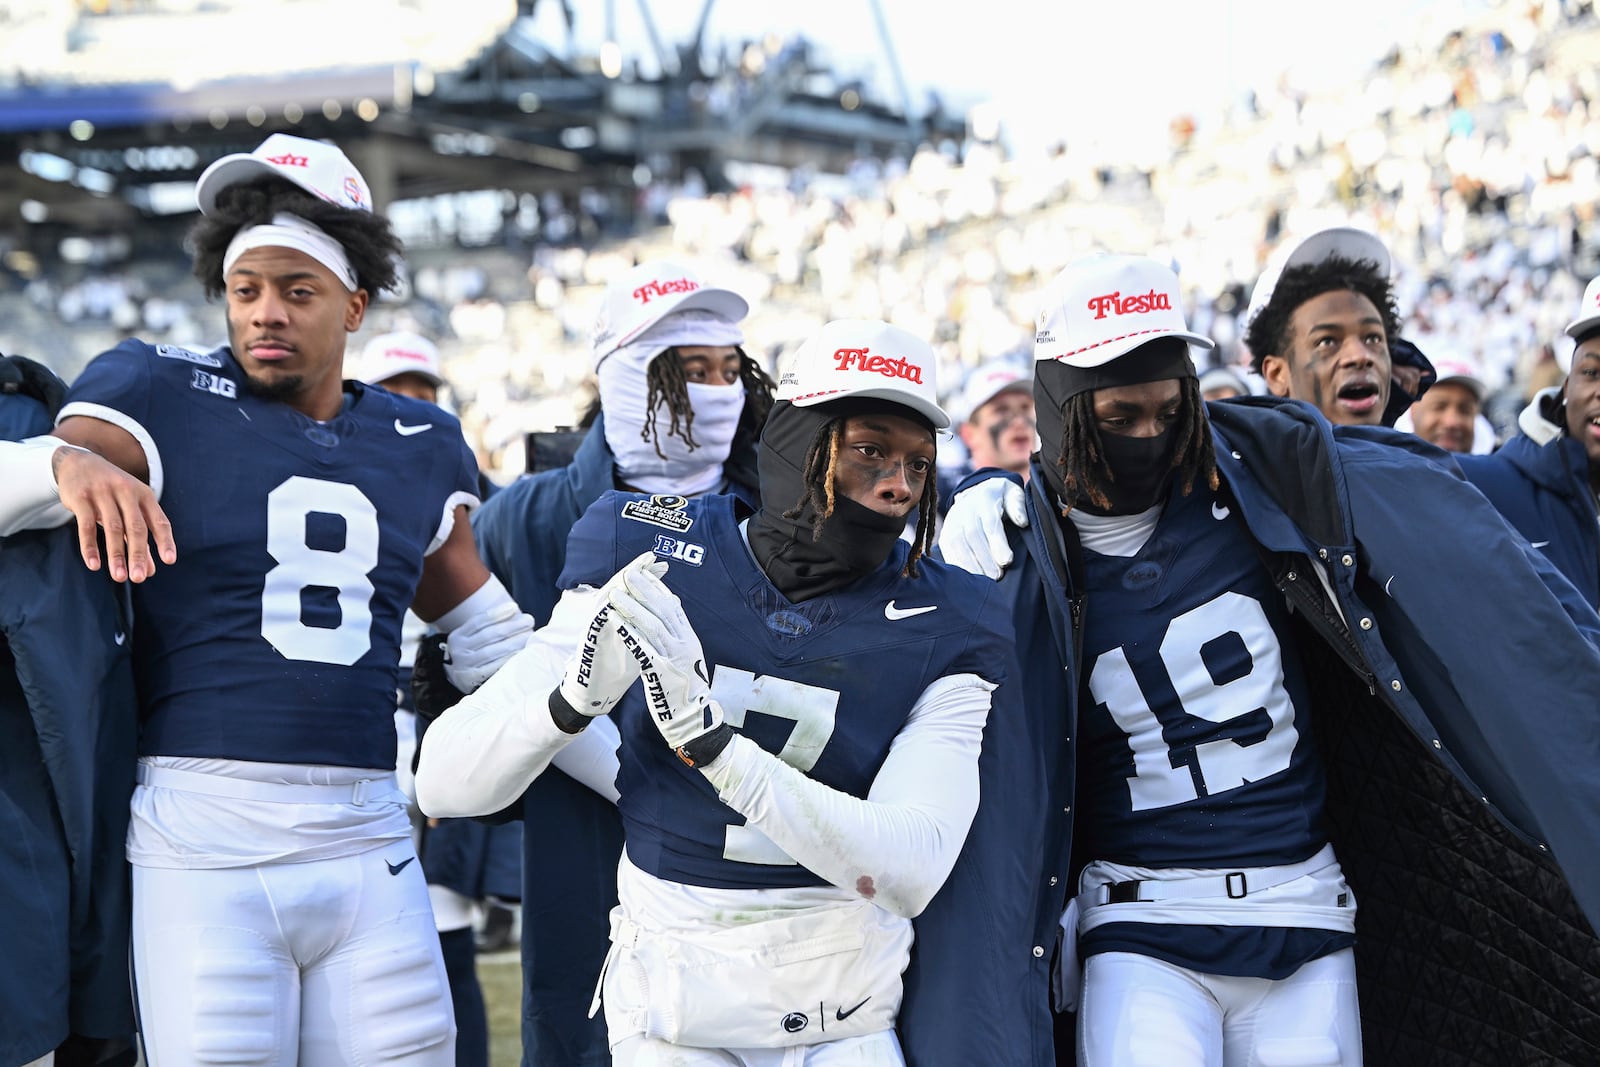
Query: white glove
[(602, 668), (677, 685), (475, 650), (973, 536)]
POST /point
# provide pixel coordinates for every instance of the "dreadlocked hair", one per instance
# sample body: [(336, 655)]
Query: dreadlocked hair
[(366, 237), (1082, 461), (819, 475), (1268, 333), (670, 388)]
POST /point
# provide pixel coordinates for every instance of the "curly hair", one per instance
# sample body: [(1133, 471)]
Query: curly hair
[(1269, 334), (367, 238), (1082, 461), (820, 474), (667, 384)]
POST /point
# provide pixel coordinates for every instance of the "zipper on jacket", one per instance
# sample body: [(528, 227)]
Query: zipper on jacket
[(1313, 605)]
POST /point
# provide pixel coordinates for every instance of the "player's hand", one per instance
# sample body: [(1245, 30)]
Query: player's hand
[(973, 536), (601, 670), (672, 665), (101, 495), (475, 650)]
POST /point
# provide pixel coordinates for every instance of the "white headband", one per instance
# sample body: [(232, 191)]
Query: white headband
[(292, 231), (692, 326)]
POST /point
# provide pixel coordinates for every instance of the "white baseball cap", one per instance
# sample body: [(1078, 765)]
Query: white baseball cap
[(392, 354), (1099, 308), (1461, 373), (864, 358), (985, 383), (641, 297), (1345, 241), (1588, 311), (319, 168)]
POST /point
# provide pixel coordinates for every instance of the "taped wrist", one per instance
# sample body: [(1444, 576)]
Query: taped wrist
[(489, 596), (568, 719), (707, 747)]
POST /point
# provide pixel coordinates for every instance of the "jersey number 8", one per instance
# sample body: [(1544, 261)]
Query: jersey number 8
[(300, 567)]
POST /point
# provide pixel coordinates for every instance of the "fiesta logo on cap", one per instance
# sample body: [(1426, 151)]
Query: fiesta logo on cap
[(649, 291), (289, 159), (1138, 304), (352, 190), (860, 359)]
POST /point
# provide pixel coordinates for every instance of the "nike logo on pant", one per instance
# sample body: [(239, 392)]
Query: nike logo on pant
[(842, 1015), (396, 868)]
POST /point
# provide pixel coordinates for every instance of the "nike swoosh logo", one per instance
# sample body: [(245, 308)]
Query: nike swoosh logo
[(1219, 511), (700, 669), (396, 868), (892, 612), (1540, 544), (406, 431), (119, 637), (842, 1015)]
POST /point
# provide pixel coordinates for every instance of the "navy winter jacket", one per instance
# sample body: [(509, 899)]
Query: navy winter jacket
[(68, 728), (1539, 480)]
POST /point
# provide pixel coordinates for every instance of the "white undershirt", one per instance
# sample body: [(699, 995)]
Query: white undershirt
[(1115, 535)]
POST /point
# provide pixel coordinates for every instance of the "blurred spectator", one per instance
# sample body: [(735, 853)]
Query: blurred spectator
[(994, 417), (1449, 414), (1222, 383)]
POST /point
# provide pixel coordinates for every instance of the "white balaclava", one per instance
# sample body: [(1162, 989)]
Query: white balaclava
[(623, 392)]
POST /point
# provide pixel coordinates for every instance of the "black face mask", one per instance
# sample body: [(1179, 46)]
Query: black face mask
[(1141, 467), (1141, 471), (855, 539)]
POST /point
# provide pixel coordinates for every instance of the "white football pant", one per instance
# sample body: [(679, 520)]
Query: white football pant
[(1138, 1011), (881, 1049), (318, 964)]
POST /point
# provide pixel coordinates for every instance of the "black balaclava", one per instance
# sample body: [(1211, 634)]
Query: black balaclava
[(855, 539), (1141, 467)]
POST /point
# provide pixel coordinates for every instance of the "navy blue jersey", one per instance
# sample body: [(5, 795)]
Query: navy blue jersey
[(1194, 746), (276, 635), (825, 685)]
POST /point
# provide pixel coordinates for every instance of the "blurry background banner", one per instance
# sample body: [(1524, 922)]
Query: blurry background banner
[(845, 159)]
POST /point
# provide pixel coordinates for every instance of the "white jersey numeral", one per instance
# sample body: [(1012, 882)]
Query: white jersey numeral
[(1160, 777), (301, 567), (812, 710)]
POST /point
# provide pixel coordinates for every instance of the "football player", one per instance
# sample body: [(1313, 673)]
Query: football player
[(1182, 570), (1322, 327), (681, 407), (799, 764), (279, 915)]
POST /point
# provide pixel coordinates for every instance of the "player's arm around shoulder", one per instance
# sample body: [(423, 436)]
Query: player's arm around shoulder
[(107, 479)]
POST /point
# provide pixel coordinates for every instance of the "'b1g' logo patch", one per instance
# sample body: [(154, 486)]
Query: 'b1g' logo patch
[(672, 548), (664, 511)]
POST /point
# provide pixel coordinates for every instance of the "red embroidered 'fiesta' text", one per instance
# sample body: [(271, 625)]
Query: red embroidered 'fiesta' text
[(645, 293), (889, 368), (1139, 303)]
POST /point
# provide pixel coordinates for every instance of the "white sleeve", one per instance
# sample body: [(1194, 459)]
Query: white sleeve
[(28, 496), (481, 754), (899, 844), (592, 758)]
